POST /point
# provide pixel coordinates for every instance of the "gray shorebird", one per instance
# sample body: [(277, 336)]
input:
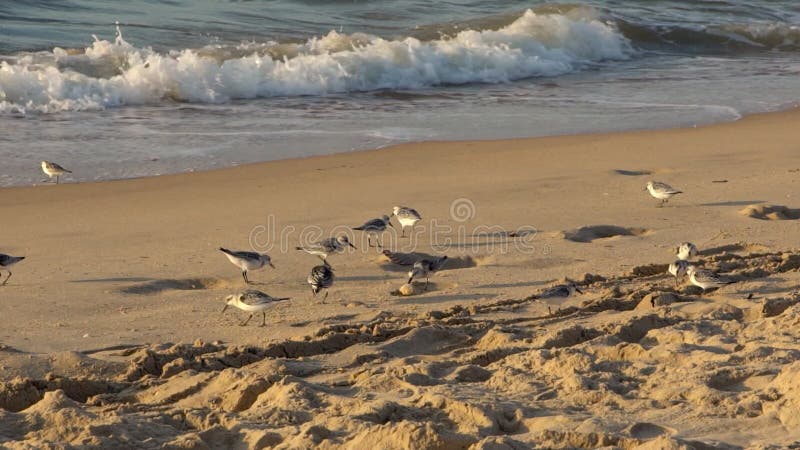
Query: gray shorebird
[(406, 259), (705, 279), (408, 217), (424, 268), (686, 251), (565, 290), (375, 227), (7, 261), (321, 277), (327, 246), (678, 269), (661, 191), (252, 301), (52, 169), (247, 261)]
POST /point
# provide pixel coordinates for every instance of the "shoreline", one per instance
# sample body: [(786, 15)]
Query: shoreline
[(367, 147)]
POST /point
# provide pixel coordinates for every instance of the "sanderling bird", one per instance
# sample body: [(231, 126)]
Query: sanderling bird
[(705, 279), (247, 261), (252, 301), (327, 246), (424, 268), (661, 191), (408, 217), (375, 227), (7, 261), (686, 251), (406, 259), (565, 290), (52, 169), (678, 269), (321, 277)]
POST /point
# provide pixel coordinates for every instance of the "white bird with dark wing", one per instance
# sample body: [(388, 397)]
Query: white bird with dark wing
[(686, 251), (424, 268), (247, 261), (252, 301), (661, 191), (565, 290), (52, 169), (678, 269), (705, 279), (325, 247), (406, 259), (7, 261), (375, 227), (408, 217), (321, 277)]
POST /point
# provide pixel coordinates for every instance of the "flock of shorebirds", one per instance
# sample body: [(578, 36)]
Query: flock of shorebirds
[(321, 276)]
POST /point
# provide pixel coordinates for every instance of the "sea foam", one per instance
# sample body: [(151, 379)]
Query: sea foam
[(108, 74)]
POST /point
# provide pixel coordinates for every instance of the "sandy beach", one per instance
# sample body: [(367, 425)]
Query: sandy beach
[(112, 333)]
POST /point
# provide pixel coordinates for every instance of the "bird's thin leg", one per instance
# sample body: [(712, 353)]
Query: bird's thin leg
[(378, 240), (325, 297), (404, 232), (6, 280), (369, 240), (313, 292), (426, 283), (244, 275), (248, 320), (263, 318), (57, 176)]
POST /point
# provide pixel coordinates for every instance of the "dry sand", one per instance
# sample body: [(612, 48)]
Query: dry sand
[(112, 334)]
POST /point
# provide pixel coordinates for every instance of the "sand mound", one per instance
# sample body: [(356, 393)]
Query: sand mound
[(594, 232), (633, 367), (770, 212)]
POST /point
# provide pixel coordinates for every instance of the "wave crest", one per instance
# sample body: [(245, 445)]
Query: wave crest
[(117, 73)]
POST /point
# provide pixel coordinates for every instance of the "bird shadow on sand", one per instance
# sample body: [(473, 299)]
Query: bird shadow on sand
[(512, 285), (363, 278), (632, 173), (424, 298), (186, 284), (733, 203), (733, 248), (112, 280)]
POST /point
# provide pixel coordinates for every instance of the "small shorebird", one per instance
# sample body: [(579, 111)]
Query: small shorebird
[(678, 269), (7, 261), (705, 279), (424, 268), (375, 227), (406, 259), (321, 277), (52, 169), (247, 261), (327, 246), (408, 217), (565, 290), (686, 251), (252, 301), (661, 191)]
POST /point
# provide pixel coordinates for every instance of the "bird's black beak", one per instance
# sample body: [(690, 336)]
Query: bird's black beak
[(226, 307), (579, 291), (390, 224), (351, 245), (272, 265)]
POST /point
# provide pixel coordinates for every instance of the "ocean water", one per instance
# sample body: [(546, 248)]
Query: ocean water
[(125, 89)]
